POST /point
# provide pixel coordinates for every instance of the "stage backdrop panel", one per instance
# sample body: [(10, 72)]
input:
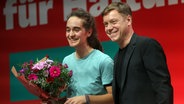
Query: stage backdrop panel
[(32, 28)]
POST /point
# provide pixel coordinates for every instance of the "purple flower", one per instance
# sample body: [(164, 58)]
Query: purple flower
[(23, 70)]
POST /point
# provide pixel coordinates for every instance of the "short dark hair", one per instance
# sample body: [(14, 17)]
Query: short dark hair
[(121, 7)]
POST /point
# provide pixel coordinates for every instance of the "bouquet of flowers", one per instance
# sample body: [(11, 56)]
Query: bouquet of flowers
[(45, 78)]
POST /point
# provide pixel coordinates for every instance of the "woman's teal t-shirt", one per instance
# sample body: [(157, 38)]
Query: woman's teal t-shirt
[(90, 73)]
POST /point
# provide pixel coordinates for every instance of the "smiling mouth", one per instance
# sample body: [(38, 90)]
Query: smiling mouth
[(73, 40), (111, 32)]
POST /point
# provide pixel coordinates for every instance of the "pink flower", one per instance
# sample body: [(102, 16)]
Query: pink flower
[(54, 71), (65, 66), (25, 65), (33, 77), (47, 74), (39, 65), (70, 73)]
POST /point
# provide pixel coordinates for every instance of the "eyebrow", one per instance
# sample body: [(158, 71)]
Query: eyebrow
[(111, 20), (73, 27)]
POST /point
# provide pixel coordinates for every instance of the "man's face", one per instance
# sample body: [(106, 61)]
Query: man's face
[(115, 25)]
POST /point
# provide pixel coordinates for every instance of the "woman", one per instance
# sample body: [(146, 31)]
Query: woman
[(92, 69)]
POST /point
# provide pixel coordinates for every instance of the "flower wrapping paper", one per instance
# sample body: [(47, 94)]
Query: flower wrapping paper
[(44, 77), (32, 88)]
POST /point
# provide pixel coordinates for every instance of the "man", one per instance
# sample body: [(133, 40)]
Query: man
[(141, 74)]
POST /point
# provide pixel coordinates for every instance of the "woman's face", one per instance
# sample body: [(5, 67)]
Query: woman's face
[(76, 34)]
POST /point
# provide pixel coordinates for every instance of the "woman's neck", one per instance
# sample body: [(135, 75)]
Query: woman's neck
[(82, 52)]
